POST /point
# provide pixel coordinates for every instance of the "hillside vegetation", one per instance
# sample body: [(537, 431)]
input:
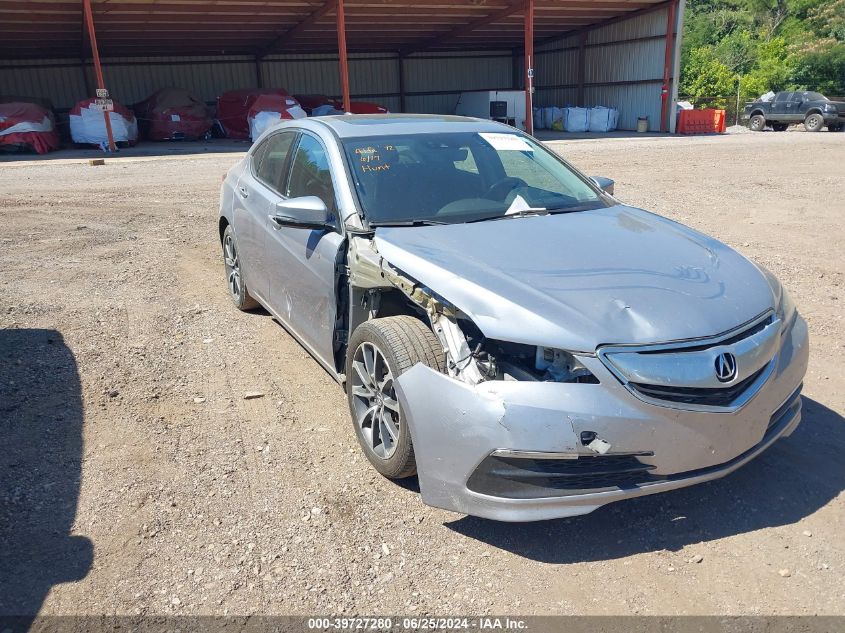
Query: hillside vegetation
[(759, 45)]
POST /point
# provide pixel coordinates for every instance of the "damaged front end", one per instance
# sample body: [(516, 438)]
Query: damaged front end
[(520, 432)]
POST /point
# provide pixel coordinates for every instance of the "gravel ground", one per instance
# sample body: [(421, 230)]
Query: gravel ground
[(137, 479)]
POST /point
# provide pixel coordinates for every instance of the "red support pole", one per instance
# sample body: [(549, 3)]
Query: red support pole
[(341, 49), (98, 69), (529, 68), (667, 65)]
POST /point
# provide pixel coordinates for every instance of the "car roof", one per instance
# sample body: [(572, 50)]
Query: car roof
[(357, 125)]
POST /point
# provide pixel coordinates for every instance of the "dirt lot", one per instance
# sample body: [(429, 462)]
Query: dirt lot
[(133, 467)]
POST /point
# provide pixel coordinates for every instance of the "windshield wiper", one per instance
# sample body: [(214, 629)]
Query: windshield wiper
[(582, 207), (407, 223), (524, 213)]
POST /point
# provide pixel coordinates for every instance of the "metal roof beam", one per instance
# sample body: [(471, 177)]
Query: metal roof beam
[(293, 32), (466, 28)]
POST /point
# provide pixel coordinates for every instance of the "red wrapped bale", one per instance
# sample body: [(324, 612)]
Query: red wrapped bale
[(233, 109), (321, 105), (173, 114), (27, 126)]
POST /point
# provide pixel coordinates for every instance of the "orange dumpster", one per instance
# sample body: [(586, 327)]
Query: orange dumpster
[(704, 121)]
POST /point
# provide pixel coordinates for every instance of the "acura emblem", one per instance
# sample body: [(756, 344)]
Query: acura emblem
[(725, 367)]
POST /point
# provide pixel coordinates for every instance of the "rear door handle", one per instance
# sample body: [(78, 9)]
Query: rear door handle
[(243, 191)]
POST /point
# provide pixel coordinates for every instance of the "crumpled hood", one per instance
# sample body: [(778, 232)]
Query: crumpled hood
[(580, 280)]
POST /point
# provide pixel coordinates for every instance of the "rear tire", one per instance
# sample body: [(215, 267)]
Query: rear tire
[(780, 127), (814, 122), (757, 123), (234, 275), (379, 352)]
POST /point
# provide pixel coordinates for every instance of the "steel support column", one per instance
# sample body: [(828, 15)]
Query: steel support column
[(341, 51), (98, 69), (667, 66), (401, 75), (676, 67), (259, 80), (529, 68), (582, 66)]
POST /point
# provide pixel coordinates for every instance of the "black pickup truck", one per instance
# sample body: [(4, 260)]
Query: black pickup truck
[(814, 109)]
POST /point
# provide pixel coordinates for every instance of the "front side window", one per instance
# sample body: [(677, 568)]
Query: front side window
[(462, 177), (270, 159), (310, 174)]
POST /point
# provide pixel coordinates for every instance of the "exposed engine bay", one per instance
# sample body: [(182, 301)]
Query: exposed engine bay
[(470, 356)]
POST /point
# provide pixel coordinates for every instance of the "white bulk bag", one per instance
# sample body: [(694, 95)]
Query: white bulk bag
[(602, 119), (548, 113), (538, 119), (576, 120), (558, 117)]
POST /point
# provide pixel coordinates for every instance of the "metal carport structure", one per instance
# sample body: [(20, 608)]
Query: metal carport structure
[(412, 55)]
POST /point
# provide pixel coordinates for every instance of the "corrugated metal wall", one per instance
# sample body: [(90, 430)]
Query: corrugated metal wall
[(374, 77), (448, 76), (623, 69)]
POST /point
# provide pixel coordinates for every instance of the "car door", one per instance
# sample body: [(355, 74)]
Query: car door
[(780, 104), (795, 107), (258, 189), (301, 262)]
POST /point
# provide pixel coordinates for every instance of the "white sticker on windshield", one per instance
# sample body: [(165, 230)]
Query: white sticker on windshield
[(506, 142)]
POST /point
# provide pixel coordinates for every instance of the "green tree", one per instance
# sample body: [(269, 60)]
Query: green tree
[(772, 70), (771, 44), (706, 76)]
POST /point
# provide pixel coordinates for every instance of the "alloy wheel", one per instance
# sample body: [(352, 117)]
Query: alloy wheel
[(233, 266), (374, 400)]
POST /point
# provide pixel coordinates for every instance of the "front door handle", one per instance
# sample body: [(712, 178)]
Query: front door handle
[(243, 191)]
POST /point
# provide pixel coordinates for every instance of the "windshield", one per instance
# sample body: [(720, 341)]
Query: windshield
[(462, 177), (814, 96)]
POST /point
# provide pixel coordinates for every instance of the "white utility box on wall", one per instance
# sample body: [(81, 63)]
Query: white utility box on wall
[(507, 106)]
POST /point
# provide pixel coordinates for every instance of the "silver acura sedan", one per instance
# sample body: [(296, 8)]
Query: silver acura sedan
[(504, 327)]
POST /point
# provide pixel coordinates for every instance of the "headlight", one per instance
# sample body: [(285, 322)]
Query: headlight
[(829, 107), (516, 361), (786, 308), (558, 365)]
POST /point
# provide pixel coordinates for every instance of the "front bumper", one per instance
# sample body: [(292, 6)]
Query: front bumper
[(457, 428)]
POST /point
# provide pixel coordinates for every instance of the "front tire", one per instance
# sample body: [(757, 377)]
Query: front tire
[(757, 123), (234, 276), (379, 352), (835, 127), (814, 122)]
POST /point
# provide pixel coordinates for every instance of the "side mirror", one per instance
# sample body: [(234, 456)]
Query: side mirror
[(605, 184), (307, 212)]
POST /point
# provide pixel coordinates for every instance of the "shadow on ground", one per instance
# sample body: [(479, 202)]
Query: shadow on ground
[(794, 478), (40, 467)]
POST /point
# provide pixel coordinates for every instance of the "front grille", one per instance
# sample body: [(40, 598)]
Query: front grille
[(524, 478), (719, 397), (520, 478)]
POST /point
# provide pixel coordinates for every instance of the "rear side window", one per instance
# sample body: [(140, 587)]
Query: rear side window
[(271, 159)]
